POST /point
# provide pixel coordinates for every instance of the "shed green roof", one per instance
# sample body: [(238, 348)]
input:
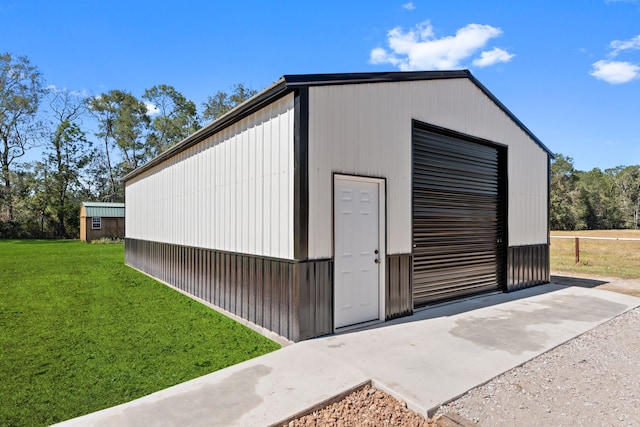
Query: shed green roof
[(104, 209)]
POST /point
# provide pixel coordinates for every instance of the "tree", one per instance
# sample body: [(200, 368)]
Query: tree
[(66, 155), (21, 88), (627, 180), (221, 102), (25, 223), (122, 123), (562, 213), (175, 119), (596, 204), (37, 218), (99, 185)]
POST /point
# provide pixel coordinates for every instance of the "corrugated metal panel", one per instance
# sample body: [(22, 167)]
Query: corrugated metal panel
[(289, 298), (527, 266), (528, 211), (103, 209), (231, 192), (365, 129), (458, 217), (316, 298), (399, 292)]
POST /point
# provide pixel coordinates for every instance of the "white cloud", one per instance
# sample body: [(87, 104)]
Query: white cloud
[(152, 110), (380, 56), (78, 93), (615, 72), (53, 88), (492, 57), (622, 45), (409, 6), (418, 49)]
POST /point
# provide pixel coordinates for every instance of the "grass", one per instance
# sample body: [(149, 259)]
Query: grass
[(609, 258), (80, 331)]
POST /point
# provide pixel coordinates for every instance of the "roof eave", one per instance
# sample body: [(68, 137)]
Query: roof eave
[(246, 108), (291, 82), (510, 114), (303, 80)]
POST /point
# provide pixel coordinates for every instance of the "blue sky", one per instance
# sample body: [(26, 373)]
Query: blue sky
[(570, 70)]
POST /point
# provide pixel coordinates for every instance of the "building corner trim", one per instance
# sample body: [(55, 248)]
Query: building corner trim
[(301, 174)]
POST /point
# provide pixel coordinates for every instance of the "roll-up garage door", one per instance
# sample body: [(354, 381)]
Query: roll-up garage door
[(458, 216)]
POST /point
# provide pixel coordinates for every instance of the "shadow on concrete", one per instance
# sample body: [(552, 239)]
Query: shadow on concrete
[(462, 306), (577, 281), (481, 301)]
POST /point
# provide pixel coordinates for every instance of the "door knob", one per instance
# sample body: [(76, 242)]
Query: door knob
[(377, 261)]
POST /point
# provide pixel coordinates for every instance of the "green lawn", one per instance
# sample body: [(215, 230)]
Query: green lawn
[(608, 258), (80, 331)]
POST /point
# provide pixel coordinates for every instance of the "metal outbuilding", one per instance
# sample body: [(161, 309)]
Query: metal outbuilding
[(101, 219), (329, 201)]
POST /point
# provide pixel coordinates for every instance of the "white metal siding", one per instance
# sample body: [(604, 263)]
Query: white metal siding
[(528, 180), (365, 129), (232, 191)]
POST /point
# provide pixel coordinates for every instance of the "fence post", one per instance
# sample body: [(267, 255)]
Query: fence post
[(577, 250)]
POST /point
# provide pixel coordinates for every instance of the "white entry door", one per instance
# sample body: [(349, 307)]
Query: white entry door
[(357, 251)]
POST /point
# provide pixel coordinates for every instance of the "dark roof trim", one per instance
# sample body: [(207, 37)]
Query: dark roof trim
[(248, 107), (400, 76), (290, 82), (295, 80)]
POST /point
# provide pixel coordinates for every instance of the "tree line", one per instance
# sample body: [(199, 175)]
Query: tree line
[(86, 144), (593, 200), (83, 144)]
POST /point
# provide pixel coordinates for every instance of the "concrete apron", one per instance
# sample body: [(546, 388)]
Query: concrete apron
[(426, 360)]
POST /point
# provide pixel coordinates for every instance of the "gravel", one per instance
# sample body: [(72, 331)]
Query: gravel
[(367, 406), (592, 380)]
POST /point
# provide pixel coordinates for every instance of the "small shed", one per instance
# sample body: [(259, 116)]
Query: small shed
[(101, 219), (331, 201)]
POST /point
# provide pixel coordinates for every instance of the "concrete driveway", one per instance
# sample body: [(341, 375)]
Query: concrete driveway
[(426, 360)]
